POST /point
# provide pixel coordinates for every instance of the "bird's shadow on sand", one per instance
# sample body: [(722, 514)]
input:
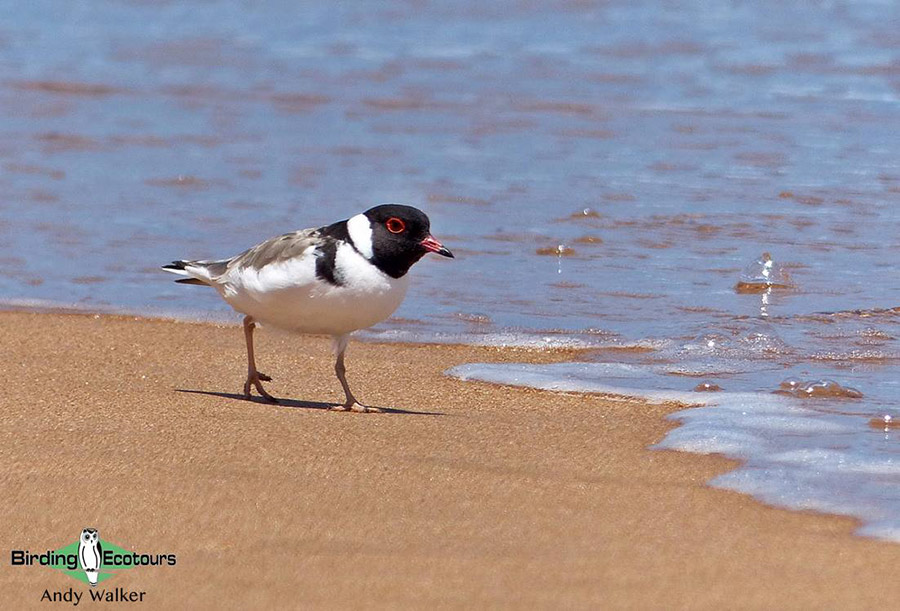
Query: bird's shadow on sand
[(298, 404)]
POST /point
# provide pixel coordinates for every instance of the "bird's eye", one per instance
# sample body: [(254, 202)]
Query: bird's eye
[(395, 225)]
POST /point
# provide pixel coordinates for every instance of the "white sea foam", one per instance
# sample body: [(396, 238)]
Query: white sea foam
[(569, 377), (504, 339)]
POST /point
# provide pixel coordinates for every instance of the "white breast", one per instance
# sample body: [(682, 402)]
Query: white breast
[(288, 294)]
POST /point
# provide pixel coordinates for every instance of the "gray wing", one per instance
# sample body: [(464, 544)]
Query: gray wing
[(274, 250), (277, 249)]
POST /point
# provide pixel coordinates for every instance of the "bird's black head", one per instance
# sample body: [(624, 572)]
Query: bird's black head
[(401, 235)]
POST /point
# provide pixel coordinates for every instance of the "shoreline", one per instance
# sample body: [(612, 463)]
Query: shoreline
[(569, 342), (466, 493)]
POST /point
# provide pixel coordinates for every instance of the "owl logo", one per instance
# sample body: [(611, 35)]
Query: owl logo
[(90, 554)]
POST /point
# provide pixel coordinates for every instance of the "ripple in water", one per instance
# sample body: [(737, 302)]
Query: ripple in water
[(817, 388), (738, 343)]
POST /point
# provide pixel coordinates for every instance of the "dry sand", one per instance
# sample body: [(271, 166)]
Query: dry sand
[(469, 495)]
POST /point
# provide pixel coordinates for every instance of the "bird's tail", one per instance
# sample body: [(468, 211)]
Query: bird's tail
[(197, 272)]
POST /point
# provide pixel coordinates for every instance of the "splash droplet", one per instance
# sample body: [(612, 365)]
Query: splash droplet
[(762, 275), (585, 213), (885, 423), (707, 387), (560, 250)]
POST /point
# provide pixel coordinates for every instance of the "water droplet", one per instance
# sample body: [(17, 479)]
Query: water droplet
[(884, 423), (707, 387), (588, 213), (763, 275), (559, 250)]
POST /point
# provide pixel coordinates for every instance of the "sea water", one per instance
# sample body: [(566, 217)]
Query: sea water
[(704, 195)]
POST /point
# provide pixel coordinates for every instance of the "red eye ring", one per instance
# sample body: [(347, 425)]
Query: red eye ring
[(395, 225)]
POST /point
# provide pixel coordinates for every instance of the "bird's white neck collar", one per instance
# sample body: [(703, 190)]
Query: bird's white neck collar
[(360, 230)]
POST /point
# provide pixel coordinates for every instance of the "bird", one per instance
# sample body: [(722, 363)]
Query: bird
[(90, 554), (330, 280)]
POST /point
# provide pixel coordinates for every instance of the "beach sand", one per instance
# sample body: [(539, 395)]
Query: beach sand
[(469, 495)]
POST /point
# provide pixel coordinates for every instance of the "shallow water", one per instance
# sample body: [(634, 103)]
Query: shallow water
[(604, 172)]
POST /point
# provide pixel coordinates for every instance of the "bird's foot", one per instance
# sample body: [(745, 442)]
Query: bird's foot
[(356, 407), (256, 378)]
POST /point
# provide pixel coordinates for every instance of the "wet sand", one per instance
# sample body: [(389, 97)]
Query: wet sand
[(466, 495)]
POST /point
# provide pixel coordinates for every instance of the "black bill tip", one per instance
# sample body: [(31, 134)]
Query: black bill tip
[(432, 245)]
